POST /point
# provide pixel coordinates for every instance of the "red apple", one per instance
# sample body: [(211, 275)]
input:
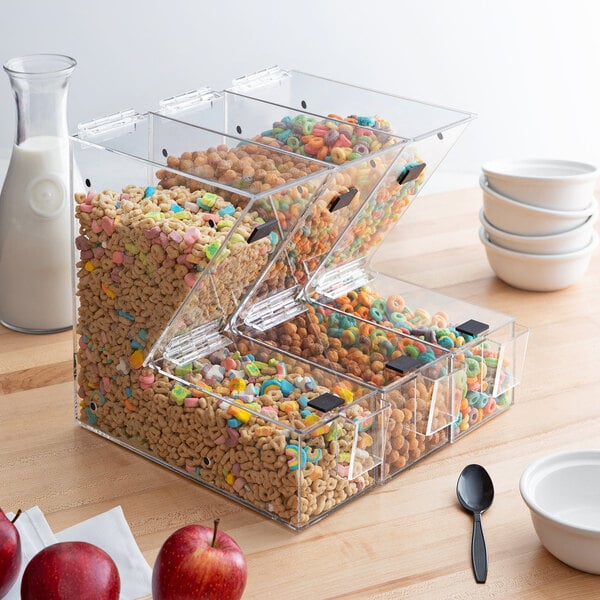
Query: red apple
[(71, 571), (199, 563), (10, 552)]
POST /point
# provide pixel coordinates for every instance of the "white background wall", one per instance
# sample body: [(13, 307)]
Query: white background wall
[(529, 68)]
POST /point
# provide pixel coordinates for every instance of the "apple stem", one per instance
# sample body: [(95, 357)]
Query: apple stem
[(216, 524), (16, 516)]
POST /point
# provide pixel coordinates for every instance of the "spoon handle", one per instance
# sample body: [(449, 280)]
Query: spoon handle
[(478, 550)]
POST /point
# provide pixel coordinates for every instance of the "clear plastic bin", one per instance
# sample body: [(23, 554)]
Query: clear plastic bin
[(271, 431), (488, 347), (176, 230)]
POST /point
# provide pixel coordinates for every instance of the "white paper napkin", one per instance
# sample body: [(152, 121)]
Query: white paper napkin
[(109, 531)]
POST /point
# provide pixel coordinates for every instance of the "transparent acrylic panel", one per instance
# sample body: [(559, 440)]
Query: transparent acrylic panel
[(396, 185), (392, 303), (493, 368), (393, 195), (368, 421)]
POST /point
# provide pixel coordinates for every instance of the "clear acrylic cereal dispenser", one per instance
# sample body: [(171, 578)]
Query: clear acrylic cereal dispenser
[(230, 324), (171, 234)]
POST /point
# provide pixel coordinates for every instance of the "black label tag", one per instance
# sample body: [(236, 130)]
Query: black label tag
[(472, 327), (410, 173), (342, 200)]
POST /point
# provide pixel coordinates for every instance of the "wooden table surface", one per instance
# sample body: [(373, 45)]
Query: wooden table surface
[(407, 539)]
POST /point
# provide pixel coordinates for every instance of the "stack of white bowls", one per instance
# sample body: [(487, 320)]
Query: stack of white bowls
[(537, 221)]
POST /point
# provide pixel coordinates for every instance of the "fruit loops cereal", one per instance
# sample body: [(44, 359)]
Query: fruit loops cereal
[(347, 143), (475, 382)]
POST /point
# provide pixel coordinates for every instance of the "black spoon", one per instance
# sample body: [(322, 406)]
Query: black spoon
[(475, 492)]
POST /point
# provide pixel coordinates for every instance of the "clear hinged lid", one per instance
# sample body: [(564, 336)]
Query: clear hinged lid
[(410, 119), (182, 223)]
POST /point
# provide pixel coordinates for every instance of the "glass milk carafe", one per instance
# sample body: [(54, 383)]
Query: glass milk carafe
[(35, 222)]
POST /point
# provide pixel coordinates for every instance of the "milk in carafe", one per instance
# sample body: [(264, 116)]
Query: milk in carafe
[(35, 237)]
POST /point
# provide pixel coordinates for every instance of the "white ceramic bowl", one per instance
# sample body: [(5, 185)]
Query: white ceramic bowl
[(538, 272), (515, 217), (557, 243), (562, 492), (554, 184)]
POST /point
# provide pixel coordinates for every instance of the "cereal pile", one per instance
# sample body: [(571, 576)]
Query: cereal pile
[(268, 446), (377, 216), (141, 251)]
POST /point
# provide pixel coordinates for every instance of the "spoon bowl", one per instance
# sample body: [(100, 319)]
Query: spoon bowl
[(475, 492), (475, 489)]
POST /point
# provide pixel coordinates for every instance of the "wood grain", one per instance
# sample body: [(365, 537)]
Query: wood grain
[(407, 539)]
